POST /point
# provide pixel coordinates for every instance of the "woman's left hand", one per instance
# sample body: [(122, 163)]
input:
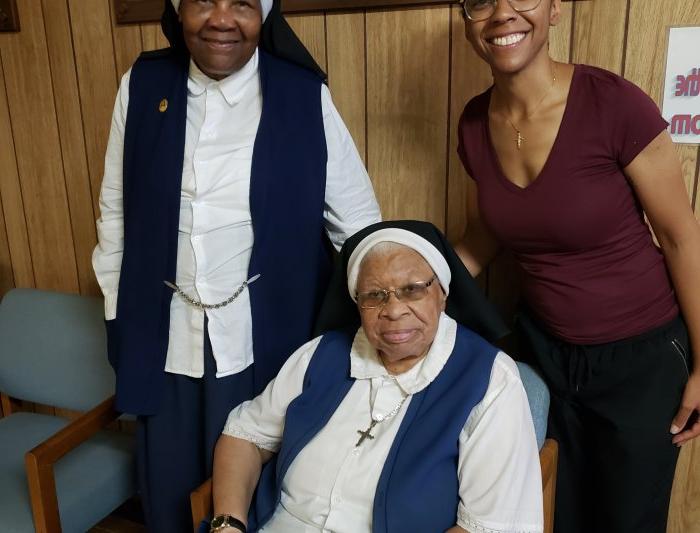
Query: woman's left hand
[(689, 410)]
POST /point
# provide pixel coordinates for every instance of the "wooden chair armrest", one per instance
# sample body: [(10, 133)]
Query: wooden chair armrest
[(549, 455), (202, 503), (5, 405), (39, 463)]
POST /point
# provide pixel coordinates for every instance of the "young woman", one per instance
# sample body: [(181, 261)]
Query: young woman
[(568, 159)]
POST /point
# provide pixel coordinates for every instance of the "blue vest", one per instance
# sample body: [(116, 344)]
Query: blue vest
[(287, 190), (418, 489)]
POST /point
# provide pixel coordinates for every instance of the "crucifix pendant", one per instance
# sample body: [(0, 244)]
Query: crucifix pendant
[(520, 139), (366, 434)]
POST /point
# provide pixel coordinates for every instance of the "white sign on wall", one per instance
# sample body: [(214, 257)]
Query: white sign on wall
[(681, 100)]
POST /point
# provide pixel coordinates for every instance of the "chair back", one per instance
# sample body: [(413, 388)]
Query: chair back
[(53, 349), (538, 398)]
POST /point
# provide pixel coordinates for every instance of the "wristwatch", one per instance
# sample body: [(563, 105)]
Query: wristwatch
[(222, 521)]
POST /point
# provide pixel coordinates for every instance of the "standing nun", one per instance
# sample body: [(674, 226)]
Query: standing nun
[(228, 172)]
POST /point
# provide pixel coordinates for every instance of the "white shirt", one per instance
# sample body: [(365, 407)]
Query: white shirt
[(215, 237), (330, 485)]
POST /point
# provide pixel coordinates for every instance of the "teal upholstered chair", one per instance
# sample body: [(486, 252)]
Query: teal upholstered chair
[(538, 398), (56, 474)]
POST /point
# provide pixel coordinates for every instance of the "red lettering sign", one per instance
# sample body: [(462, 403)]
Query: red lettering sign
[(680, 124), (695, 126), (688, 85)]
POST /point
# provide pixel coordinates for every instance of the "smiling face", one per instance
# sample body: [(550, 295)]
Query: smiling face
[(401, 332), (221, 35), (510, 41)]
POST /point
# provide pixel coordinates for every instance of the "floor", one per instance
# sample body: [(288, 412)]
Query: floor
[(127, 519), (116, 524)]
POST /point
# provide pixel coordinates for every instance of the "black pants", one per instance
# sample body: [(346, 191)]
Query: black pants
[(175, 447), (611, 410)]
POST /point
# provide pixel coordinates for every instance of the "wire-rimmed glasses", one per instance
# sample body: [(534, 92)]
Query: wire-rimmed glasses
[(477, 10), (409, 293)]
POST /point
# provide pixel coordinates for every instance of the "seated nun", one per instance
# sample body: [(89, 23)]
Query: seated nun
[(400, 418)]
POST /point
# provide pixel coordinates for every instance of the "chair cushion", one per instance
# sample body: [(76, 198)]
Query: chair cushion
[(91, 481)]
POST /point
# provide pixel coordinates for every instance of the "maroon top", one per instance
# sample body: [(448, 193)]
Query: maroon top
[(592, 272)]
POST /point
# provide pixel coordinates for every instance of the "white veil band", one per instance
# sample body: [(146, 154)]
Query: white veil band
[(406, 238)]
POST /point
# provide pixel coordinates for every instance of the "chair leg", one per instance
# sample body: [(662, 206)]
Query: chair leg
[(42, 491)]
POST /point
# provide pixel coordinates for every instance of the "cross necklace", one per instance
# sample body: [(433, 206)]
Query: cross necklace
[(519, 139), (366, 434)]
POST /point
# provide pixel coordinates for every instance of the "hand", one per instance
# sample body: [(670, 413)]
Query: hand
[(690, 405)]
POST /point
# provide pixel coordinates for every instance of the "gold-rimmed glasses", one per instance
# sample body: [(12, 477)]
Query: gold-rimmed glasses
[(408, 293), (477, 10)]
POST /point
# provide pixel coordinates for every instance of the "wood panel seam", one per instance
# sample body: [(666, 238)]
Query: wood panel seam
[(623, 67), (112, 25), (2, 204), (572, 33), (325, 44), (60, 147), (697, 180), (364, 21), (19, 180), (7, 242), (449, 122), (80, 108)]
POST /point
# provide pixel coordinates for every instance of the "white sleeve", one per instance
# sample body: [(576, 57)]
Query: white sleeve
[(500, 483), (261, 420), (107, 256), (350, 204)]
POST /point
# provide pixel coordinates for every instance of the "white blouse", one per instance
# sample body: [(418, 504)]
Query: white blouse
[(330, 485)]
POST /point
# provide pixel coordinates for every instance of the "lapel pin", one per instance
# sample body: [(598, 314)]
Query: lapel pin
[(163, 106)]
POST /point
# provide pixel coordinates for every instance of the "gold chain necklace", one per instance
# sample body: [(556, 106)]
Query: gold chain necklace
[(519, 139)]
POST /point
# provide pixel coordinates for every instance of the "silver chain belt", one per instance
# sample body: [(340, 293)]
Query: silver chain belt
[(201, 305)]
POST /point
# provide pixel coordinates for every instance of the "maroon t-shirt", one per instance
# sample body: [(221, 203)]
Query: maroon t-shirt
[(591, 270)]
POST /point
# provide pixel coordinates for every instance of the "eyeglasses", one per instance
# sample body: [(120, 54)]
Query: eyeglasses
[(477, 10), (409, 293)]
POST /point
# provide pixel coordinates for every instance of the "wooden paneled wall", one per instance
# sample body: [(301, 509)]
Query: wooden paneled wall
[(399, 78)]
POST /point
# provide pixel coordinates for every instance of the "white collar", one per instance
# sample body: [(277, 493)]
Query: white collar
[(365, 363), (232, 86)]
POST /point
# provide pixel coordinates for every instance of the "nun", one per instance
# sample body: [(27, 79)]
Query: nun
[(229, 178), (400, 418)]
